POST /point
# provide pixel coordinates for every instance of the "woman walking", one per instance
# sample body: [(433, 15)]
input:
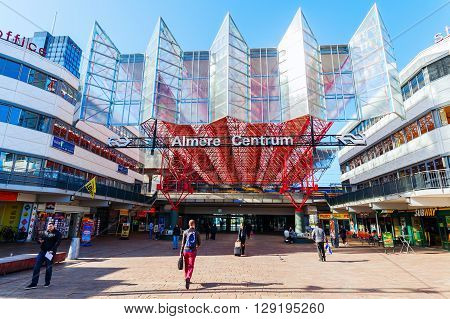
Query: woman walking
[(189, 246)]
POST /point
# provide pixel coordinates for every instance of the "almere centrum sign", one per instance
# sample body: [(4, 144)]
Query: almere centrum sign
[(237, 140)]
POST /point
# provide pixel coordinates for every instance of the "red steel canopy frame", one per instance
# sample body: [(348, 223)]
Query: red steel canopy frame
[(283, 166)]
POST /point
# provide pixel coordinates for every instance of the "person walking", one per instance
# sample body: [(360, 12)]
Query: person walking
[(49, 242), (242, 236), (189, 245), (156, 231), (213, 232), (343, 234), (207, 230), (248, 230), (161, 230), (176, 235), (318, 235), (150, 230)]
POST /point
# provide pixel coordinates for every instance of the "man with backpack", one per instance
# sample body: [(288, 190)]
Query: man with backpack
[(189, 246)]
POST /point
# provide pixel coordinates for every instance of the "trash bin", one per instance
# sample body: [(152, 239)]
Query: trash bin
[(74, 250)]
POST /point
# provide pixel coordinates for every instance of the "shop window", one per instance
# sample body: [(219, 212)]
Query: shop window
[(34, 165), (73, 137), (426, 123), (20, 163), (438, 163)]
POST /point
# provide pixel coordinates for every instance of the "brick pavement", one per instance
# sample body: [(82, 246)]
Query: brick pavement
[(140, 268)]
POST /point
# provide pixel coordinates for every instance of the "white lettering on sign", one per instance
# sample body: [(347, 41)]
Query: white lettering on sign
[(438, 37)]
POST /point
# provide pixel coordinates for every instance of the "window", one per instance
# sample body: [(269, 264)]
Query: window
[(444, 114), (4, 110), (24, 73), (399, 138), (51, 84), (20, 163), (6, 161), (34, 165), (405, 91), (28, 119), (439, 68), (37, 79), (14, 115), (43, 124), (11, 69), (426, 123), (411, 131), (388, 145)]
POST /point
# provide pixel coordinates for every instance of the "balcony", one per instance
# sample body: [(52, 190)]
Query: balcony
[(69, 184), (427, 180)]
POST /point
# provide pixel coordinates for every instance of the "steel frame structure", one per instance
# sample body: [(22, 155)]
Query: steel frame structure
[(284, 165)]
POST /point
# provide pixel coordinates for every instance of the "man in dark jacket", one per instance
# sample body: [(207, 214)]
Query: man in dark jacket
[(176, 235), (49, 245)]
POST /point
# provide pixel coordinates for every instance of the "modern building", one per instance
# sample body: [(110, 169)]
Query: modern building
[(60, 49), (46, 157), (400, 181), (235, 117)]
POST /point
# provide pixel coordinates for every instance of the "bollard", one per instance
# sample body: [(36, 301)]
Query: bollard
[(74, 249)]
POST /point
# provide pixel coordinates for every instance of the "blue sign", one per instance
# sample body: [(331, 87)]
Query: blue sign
[(63, 145), (122, 169)]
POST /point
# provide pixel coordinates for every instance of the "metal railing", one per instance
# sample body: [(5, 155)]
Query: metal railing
[(434, 179), (67, 182)]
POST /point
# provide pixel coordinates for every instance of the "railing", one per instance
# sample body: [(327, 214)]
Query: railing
[(435, 179), (67, 182)]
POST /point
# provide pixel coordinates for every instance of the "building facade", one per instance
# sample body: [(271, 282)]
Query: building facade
[(400, 181), (60, 49), (46, 157)]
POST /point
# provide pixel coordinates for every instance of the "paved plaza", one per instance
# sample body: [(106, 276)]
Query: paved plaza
[(140, 268)]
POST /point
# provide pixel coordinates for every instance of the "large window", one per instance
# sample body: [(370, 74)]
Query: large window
[(38, 79), (439, 69), (17, 116)]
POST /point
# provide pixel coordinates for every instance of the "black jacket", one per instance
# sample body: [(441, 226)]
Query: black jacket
[(242, 235), (177, 231), (51, 240)]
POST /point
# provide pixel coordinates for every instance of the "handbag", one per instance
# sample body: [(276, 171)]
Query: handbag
[(180, 263)]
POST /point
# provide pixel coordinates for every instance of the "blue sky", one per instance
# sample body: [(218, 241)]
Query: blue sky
[(194, 23)]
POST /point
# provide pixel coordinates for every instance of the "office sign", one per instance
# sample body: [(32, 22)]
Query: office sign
[(23, 42), (122, 169), (63, 145)]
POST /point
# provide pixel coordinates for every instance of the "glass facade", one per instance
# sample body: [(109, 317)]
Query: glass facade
[(374, 69), (301, 83), (297, 78), (337, 76)]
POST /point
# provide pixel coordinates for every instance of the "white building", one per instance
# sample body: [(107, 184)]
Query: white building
[(45, 160), (400, 181)]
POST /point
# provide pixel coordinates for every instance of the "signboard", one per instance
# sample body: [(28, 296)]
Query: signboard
[(388, 241), (125, 230), (438, 37), (32, 221), (341, 216), (63, 145), (50, 207), (8, 196), (425, 212), (24, 221), (87, 229), (325, 216), (23, 42), (122, 169)]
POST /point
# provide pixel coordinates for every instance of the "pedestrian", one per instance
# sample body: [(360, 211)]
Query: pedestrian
[(156, 231), (318, 235), (189, 246), (49, 242), (150, 230), (242, 237), (176, 235), (213, 231), (161, 230), (343, 234), (248, 230), (207, 230)]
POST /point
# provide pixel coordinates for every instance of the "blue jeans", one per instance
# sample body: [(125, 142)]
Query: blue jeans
[(150, 234), (175, 242), (40, 259)]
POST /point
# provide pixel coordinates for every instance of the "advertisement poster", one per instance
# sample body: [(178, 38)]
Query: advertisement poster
[(388, 241), (32, 222), (24, 221), (87, 230), (125, 231)]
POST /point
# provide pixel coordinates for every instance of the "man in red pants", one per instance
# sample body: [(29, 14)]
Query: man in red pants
[(189, 246)]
